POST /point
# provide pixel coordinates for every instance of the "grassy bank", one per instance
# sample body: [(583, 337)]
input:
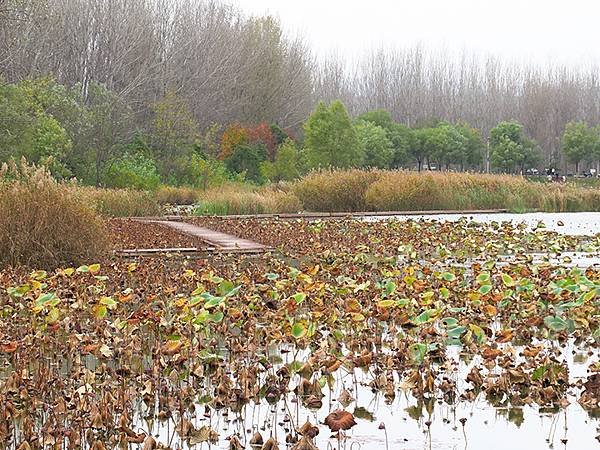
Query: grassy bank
[(374, 190)]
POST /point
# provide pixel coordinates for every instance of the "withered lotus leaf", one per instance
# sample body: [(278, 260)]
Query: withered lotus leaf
[(340, 420)]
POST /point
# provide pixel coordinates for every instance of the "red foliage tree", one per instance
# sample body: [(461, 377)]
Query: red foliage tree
[(262, 134)]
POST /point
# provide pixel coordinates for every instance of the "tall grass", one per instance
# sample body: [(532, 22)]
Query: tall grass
[(335, 190), (377, 190), (234, 199), (171, 195), (119, 202), (402, 190), (43, 224)]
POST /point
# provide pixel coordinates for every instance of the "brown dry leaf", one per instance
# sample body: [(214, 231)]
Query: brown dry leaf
[(270, 444), (149, 444), (172, 347), (340, 420), (8, 347), (308, 429), (491, 353), (305, 443), (504, 336), (204, 434)]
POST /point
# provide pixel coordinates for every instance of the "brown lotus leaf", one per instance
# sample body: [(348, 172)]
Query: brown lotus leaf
[(334, 366), (99, 445), (257, 439), (340, 420), (136, 438), (517, 376), (532, 351), (172, 347), (306, 370), (504, 336), (491, 353), (474, 377), (305, 443), (345, 398), (364, 359), (308, 429), (534, 321), (8, 347), (24, 446), (149, 443), (203, 434), (312, 402), (270, 444), (235, 444)]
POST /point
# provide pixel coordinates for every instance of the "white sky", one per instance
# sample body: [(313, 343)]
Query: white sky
[(539, 30)]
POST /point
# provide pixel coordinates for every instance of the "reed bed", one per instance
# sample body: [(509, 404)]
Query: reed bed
[(44, 223), (376, 190)]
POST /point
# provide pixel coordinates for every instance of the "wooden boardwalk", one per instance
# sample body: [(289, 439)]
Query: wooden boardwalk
[(220, 241)]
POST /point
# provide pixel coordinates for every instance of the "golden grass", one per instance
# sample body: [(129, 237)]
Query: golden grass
[(335, 190), (404, 190), (377, 190), (233, 199), (119, 202), (43, 224), (171, 195)]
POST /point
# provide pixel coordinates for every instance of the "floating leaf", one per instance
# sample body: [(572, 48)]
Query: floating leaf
[(555, 323), (298, 330), (448, 276)]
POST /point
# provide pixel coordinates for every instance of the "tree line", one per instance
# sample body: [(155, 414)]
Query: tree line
[(90, 138), (167, 79)]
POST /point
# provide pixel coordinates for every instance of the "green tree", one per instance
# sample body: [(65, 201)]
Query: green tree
[(473, 150), (511, 149), (136, 171), (287, 165), (174, 134), (401, 137), (445, 144), (377, 148), (107, 128), (419, 149), (205, 171), (330, 139), (379, 117), (246, 159), (29, 129), (579, 142)]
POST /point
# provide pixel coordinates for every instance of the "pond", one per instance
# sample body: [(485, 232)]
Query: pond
[(576, 224), (428, 334), (406, 422)]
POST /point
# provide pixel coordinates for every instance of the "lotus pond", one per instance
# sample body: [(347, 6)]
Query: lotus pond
[(373, 335)]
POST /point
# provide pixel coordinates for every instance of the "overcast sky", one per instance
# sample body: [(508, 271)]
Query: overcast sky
[(540, 30)]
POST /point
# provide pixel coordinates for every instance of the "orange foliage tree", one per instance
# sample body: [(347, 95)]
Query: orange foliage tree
[(233, 136)]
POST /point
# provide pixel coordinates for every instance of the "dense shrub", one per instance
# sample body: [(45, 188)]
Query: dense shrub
[(43, 224), (133, 171)]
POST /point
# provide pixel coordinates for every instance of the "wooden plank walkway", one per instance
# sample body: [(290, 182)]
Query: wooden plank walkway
[(218, 242)]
